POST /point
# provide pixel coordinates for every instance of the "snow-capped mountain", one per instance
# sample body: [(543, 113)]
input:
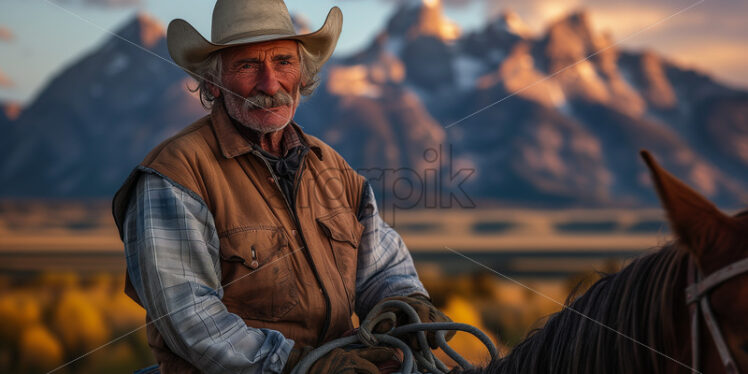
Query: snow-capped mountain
[(550, 119), (558, 116)]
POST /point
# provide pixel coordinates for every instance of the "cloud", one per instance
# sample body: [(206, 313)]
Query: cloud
[(6, 34), (721, 58), (626, 17), (5, 81), (448, 3), (625, 21)]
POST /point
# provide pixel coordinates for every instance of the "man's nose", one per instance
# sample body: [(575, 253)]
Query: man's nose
[(267, 81)]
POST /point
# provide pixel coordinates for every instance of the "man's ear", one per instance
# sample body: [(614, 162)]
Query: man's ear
[(213, 89), (698, 223)]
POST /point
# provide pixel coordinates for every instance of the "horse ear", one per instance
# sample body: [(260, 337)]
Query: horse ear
[(696, 221)]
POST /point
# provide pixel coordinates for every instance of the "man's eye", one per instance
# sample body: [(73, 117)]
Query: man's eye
[(285, 62)]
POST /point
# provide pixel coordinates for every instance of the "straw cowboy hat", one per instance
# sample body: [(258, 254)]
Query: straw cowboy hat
[(240, 22)]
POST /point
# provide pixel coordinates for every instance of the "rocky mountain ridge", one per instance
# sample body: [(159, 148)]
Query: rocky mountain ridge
[(554, 119)]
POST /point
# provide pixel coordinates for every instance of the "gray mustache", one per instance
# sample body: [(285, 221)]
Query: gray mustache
[(263, 101)]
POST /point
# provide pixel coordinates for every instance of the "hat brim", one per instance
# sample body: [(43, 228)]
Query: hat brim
[(188, 48)]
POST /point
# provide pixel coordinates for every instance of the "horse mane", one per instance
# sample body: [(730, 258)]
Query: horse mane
[(638, 301)]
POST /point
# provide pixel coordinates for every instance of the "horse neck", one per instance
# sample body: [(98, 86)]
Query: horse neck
[(630, 321)]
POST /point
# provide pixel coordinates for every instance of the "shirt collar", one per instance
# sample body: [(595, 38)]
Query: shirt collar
[(233, 144)]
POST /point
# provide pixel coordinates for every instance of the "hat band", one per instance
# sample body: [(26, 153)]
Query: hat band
[(250, 34)]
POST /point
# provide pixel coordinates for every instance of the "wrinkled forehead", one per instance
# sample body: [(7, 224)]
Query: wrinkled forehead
[(262, 50)]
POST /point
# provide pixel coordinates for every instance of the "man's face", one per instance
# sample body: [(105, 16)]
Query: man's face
[(268, 76)]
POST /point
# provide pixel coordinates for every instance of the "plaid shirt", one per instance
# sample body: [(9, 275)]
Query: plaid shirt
[(172, 252)]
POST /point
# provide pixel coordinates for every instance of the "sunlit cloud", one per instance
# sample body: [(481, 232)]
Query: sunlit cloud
[(6, 34), (5, 82), (721, 58), (625, 21), (449, 3)]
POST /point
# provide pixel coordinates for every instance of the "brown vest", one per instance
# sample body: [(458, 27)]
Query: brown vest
[(295, 273)]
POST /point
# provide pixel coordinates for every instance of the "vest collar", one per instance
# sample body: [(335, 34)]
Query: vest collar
[(233, 144)]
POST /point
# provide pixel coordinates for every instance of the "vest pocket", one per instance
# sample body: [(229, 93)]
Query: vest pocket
[(256, 275), (344, 234)]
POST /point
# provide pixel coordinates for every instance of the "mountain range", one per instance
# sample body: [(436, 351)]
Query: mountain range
[(550, 119)]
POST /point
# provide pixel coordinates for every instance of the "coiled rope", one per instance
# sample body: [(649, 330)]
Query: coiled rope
[(413, 362)]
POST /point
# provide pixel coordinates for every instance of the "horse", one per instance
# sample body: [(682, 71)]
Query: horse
[(680, 309)]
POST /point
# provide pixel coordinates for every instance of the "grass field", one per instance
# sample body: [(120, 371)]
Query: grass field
[(62, 276)]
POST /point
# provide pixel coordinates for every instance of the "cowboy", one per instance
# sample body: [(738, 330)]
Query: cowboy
[(248, 242)]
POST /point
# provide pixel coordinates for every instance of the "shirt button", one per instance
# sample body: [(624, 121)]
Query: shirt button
[(270, 180), (294, 233), (254, 264), (320, 291)]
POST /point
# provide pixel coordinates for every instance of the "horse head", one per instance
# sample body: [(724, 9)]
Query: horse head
[(718, 245), (687, 301)]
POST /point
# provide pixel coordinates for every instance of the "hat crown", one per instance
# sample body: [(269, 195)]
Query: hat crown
[(235, 19)]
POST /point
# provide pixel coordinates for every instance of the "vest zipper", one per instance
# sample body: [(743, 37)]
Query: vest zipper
[(292, 211)]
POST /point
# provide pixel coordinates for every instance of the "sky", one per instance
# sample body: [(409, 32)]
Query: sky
[(39, 38)]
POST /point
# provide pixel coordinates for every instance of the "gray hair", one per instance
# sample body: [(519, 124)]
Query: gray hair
[(209, 72)]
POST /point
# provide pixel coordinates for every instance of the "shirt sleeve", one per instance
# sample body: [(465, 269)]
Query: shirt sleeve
[(173, 262), (385, 267)]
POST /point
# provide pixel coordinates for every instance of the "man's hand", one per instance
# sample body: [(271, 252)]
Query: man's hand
[(340, 361), (426, 311)]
